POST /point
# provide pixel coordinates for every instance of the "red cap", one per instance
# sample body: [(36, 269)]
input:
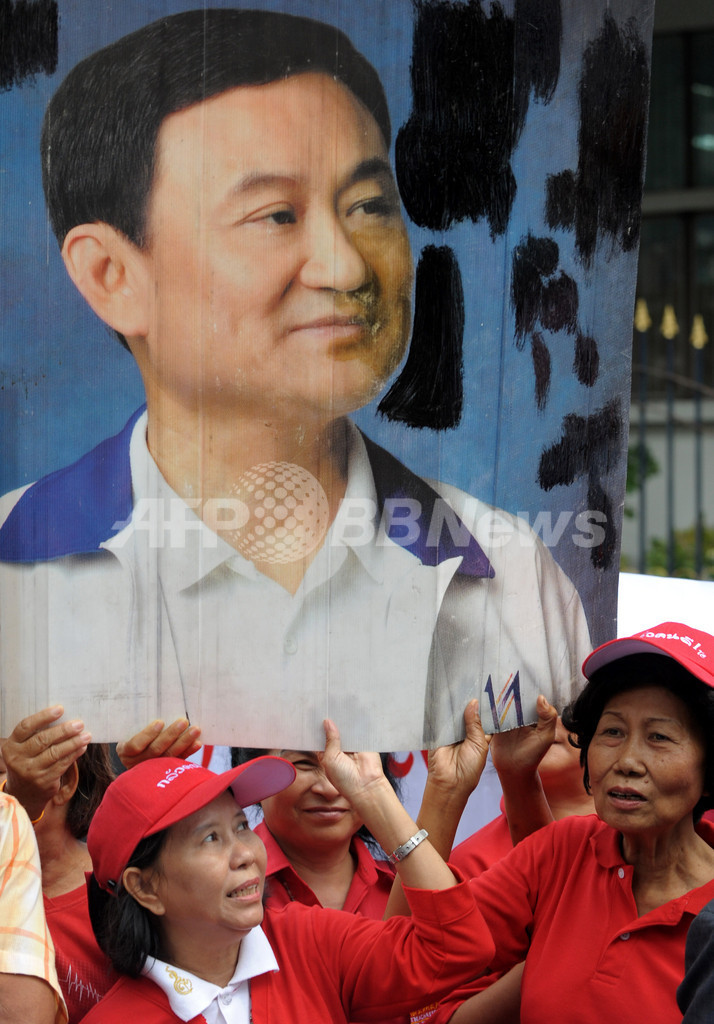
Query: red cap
[(163, 790), (693, 649)]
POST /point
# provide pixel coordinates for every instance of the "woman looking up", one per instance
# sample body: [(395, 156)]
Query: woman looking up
[(176, 903)]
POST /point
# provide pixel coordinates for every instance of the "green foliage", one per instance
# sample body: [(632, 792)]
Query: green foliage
[(632, 481), (633, 467), (684, 556)]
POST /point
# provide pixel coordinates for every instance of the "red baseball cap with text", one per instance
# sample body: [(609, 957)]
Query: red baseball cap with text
[(157, 793), (692, 648)]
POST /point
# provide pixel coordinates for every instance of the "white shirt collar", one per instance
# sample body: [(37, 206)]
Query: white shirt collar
[(189, 995), (192, 550), (188, 550)]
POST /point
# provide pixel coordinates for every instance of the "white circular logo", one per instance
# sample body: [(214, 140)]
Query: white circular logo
[(287, 513)]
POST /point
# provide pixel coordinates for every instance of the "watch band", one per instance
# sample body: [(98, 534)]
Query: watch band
[(406, 848)]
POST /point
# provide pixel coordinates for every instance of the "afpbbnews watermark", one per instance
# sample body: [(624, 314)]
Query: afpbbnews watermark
[(292, 530)]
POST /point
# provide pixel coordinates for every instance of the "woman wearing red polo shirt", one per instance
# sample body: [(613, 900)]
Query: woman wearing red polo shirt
[(176, 902), (600, 906)]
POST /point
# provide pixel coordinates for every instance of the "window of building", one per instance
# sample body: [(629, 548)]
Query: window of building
[(676, 268)]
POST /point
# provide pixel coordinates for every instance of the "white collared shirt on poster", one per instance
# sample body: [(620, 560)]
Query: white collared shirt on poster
[(353, 619)]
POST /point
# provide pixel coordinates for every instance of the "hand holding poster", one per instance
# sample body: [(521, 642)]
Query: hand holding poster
[(272, 539)]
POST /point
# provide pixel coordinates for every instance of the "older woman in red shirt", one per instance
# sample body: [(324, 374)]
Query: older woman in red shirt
[(600, 906)]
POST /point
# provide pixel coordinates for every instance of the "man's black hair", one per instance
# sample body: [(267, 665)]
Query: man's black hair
[(635, 672), (100, 129)]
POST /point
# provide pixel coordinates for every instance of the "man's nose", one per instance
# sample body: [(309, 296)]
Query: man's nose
[(332, 260)]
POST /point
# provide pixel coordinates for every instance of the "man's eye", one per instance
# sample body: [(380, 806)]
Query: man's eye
[(242, 826), (211, 837), (376, 206)]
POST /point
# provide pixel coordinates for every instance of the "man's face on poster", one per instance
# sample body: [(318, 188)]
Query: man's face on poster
[(278, 267)]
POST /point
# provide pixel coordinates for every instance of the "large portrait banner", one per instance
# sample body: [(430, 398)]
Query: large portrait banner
[(315, 359)]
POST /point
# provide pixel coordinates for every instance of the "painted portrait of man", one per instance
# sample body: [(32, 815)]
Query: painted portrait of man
[(222, 188)]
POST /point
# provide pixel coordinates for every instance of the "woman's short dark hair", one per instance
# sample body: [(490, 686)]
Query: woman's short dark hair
[(126, 932), (95, 772), (239, 755), (100, 129), (635, 672)]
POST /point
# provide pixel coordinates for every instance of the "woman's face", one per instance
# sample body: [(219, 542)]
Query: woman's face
[(646, 761), (208, 881), (310, 813)]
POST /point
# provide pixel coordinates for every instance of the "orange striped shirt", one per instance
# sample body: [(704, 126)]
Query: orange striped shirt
[(25, 942)]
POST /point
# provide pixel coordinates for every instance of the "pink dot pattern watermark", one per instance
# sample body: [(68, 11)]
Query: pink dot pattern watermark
[(286, 513)]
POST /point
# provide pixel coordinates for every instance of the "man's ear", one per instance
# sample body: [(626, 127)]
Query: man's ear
[(139, 883), (111, 273)]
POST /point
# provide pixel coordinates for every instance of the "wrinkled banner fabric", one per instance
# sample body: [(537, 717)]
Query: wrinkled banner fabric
[(365, 455)]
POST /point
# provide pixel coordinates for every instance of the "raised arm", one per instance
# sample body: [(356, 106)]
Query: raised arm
[(516, 755), (360, 779), (453, 773), (37, 753), (180, 739)]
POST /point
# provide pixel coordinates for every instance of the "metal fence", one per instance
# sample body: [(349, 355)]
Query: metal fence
[(669, 408)]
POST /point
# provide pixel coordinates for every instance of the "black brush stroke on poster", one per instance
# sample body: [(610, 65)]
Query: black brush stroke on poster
[(603, 197), (534, 260), (429, 391), (541, 369), (586, 361), (589, 446), (472, 76), (28, 40), (540, 297)]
